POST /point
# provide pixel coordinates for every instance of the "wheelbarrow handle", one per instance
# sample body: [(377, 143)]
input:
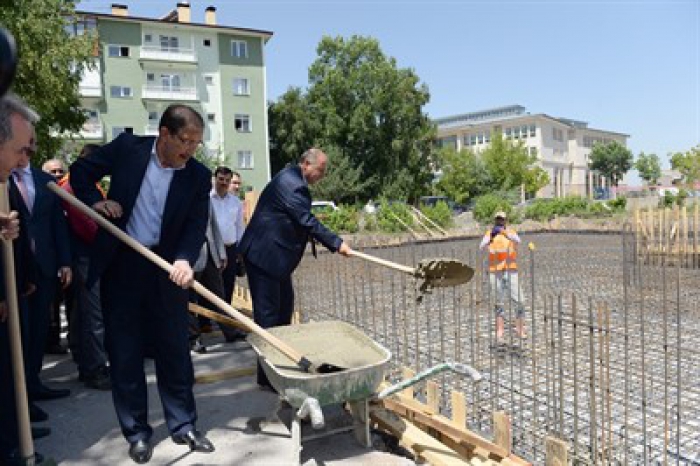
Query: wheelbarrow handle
[(462, 369)]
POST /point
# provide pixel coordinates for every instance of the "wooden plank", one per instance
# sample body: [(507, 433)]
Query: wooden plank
[(203, 311), (502, 431), (459, 408), (423, 445), (217, 376), (433, 396), (557, 452), (407, 373)]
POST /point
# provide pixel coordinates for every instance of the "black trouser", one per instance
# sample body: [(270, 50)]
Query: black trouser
[(229, 273), (210, 277), (38, 322), (273, 302), (86, 324), (9, 436)]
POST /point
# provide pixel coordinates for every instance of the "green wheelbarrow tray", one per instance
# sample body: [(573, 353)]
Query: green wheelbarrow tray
[(334, 342)]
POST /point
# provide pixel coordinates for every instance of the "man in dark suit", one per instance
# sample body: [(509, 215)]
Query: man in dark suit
[(50, 244), (159, 195), (275, 239)]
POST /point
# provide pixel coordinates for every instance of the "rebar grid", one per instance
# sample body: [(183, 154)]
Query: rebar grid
[(609, 363)]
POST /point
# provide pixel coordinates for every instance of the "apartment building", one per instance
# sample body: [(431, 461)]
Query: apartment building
[(142, 65), (562, 145)]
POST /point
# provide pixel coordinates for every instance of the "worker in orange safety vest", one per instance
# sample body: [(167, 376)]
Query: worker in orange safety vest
[(502, 243)]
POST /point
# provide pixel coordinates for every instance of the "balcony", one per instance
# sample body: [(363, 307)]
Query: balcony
[(151, 129), (92, 130), (171, 54), (170, 93), (89, 90)]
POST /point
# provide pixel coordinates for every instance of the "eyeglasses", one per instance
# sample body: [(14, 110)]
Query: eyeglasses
[(57, 171), (188, 142)]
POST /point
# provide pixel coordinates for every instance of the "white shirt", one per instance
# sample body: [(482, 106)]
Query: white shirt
[(229, 216), (147, 217), (28, 181)]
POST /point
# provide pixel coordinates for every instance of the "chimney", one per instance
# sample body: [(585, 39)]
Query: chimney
[(120, 10), (183, 12), (210, 16)]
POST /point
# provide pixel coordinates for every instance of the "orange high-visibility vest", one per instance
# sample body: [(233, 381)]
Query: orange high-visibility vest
[(502, 253)]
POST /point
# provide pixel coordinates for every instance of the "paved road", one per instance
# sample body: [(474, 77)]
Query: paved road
[(85, 428)]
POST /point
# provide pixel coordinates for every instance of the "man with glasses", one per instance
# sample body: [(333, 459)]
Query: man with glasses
[(159, 195)]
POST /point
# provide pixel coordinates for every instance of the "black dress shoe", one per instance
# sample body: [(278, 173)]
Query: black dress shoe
[(15, 459), (99, 379), (40, 432), (46, 393), (36, 414), (56, 348), (141, 451), (195, 440)]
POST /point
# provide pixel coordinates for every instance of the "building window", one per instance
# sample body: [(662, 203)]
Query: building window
[(207, 42), (117, 130), (209, 80), (242, 123), (239, 49), (169, 43), (118, 51), (516, 132), (245, 159), (480, 138), (241, 86), (148, 38), (150, 77), (533, 151), (487, 137), (508, 131), (120, 91), (472, 140), (211, 117), (557, 134), (533, 131), (153, 116)]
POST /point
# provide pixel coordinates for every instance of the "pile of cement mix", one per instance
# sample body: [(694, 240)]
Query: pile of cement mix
[(440, 273)]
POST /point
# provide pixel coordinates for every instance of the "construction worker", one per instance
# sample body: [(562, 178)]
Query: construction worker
[(502, 243)]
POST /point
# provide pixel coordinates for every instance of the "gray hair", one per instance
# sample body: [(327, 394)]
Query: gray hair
[(311, 156), (10, 105)]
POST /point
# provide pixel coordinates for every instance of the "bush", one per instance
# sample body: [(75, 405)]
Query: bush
[(546, 209), (393, 216), (619, 203), (344, 220), (441, 214), (487, 205)]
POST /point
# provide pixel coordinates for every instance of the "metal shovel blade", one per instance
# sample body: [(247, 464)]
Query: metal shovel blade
[(439, 273)]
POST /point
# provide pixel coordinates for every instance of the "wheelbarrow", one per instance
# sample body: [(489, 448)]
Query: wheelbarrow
[(343, 345)]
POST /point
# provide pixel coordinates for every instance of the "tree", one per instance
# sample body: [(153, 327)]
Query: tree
[(343, 182), (511, 165), (360, 101), (612, 160), (464, 175), (50, 66), (649, 167), (688, 164)]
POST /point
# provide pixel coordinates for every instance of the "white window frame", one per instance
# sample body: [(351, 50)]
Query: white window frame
[(119, 49), (241, 86), (239, 48), (124, 92), (245, 159), (246, 123)]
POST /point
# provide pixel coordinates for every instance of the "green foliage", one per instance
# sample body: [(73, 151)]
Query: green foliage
[(359, 100), (510, 165), (208, 159), (344, 220), (612, 160), (688, 163), (546, 209), (343, 182), (487, 205), (441, 214), (464, 175), (392, 217), (51, 63), (649, 167)]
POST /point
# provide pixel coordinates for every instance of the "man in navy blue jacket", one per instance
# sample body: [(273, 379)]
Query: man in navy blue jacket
[(275, 239), (159, 195)]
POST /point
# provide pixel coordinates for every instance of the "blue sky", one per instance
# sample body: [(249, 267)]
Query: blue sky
[(626, 66)]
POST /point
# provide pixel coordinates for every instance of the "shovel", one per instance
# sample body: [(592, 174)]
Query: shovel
[(434, 273), (301, 360)]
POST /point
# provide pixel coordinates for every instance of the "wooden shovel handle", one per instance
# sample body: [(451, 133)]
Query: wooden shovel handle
[(384, 262), (290, 352)]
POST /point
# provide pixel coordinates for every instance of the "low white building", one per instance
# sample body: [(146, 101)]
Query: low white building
[(562, 145)]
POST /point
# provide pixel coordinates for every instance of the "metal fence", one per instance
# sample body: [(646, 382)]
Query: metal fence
[(609, 364)]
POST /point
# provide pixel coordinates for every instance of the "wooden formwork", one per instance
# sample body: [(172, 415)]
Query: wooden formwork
[(668, 235)]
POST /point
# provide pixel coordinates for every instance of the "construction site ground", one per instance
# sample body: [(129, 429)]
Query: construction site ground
[(231, 413)]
